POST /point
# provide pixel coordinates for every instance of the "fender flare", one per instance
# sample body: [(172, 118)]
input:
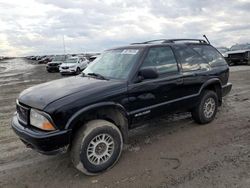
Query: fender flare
[(213, 81), (124, 128)]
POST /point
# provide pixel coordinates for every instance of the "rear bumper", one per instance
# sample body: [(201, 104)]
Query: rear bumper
[(44, 142), (226, 89)]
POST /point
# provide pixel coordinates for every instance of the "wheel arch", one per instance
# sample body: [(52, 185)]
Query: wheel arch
[(214, 85), (110, 111)]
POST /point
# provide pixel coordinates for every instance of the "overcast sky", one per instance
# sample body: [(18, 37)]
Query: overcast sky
[(30, 27)]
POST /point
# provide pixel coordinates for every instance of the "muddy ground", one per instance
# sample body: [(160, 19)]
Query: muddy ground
[(172, 151)]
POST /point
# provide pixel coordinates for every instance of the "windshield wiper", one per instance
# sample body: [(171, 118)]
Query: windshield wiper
[(98, 76)]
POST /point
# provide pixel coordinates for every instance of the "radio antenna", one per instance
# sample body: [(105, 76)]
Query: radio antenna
[(206, 38)]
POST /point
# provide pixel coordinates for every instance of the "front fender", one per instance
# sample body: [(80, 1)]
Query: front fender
[(122, 116)]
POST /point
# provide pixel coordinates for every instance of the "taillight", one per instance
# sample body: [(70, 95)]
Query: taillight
[(248, 54)]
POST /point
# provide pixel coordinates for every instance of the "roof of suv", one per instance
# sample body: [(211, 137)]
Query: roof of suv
[(163, 42)]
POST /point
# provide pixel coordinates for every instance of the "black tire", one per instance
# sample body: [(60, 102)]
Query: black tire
[(80, 149), (200, 112), (78, 70)]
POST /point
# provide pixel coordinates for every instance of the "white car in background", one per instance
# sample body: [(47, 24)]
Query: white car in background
[(73, 65)]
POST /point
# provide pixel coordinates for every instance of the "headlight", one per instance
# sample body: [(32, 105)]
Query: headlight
[(40, 121)]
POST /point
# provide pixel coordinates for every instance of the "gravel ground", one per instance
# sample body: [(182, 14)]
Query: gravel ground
[(171, 151)]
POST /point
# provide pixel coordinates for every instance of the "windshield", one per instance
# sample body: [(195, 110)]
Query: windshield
[(71, 61), (240, 47), (114, 64), (59, 58)]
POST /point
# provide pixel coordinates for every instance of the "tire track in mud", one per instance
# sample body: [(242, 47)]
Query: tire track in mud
[(207, 168), (180, 160), (15, 76), (239, 143)]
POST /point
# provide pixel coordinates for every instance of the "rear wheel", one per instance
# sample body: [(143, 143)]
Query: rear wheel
[(96, 147), (206, 110)]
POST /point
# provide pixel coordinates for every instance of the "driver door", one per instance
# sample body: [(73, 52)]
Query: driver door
[(152, 96)]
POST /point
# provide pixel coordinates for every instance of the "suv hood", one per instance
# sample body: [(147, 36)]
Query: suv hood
[(41, 95), (55, 62)]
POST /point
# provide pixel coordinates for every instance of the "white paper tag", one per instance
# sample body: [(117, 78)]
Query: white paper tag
[(129, 51)]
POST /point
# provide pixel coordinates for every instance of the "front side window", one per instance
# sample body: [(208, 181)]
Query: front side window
[(114, 64), (190, 60), (162, 58), (210, 54)]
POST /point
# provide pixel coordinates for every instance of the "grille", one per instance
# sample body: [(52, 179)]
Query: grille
[(23, 113), (234, 56), (53, 64), (65, 67)]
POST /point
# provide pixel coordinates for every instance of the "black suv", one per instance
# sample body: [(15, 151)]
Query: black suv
[(90, 115)]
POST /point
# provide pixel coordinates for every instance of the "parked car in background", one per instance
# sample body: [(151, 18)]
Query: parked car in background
[(93, 57), (223, 51), (90, 115), (54, 65), (73, 65), (45, 60), (239, 54)]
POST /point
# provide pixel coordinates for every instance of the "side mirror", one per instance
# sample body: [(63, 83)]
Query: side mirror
[(148, 73)]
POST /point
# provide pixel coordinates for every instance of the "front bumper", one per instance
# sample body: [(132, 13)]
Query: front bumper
[(226, 89), (44, 142), (67, 71), (52, 68)]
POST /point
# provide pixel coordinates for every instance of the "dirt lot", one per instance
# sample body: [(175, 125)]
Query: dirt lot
[(170, 152)]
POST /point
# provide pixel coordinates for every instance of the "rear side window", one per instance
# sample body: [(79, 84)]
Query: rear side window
[(210, 54), (162, 58), (190, 60)]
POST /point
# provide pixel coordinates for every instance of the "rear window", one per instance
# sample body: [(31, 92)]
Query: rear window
[(190, 60), (210, 54)]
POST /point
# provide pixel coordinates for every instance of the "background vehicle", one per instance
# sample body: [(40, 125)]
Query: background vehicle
[(93, 57), (73, 65), (53, 66), (91, 114), (223, 51), (45, 60), (239, 54)]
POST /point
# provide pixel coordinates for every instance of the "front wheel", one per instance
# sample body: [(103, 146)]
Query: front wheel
[(78, 70), (206, 110), (96, 147)]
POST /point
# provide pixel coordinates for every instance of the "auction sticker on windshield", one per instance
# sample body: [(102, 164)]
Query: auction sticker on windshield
[(129, 51)]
